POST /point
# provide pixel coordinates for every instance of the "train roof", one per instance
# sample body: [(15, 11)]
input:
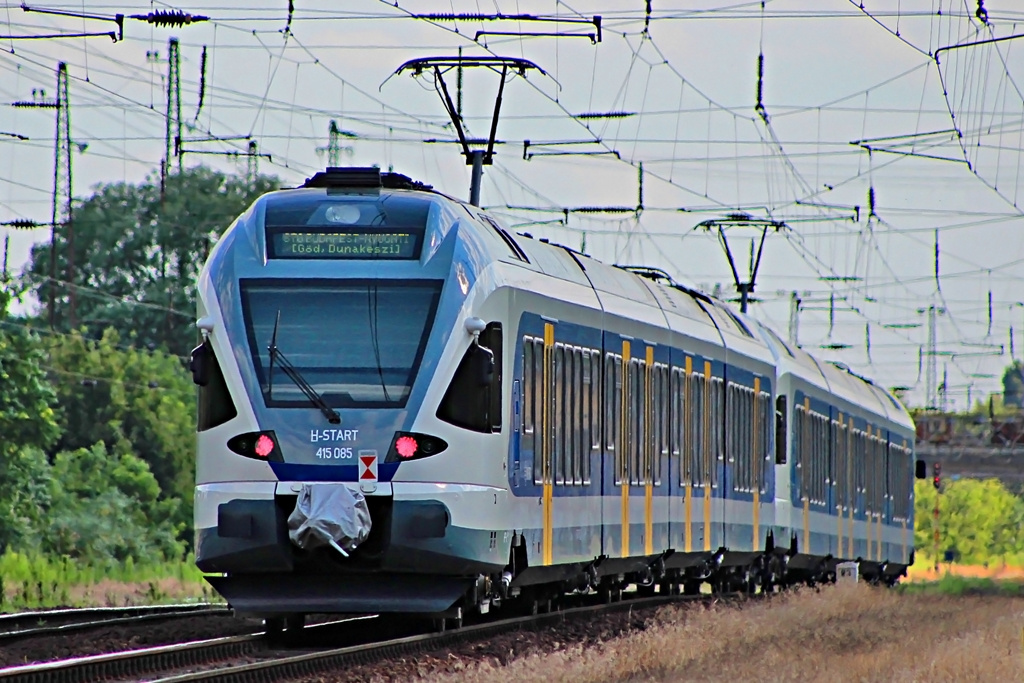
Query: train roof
[(648, 294), (835, 378)]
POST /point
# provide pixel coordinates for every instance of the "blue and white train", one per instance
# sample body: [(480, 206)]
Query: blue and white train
[(520, 419)]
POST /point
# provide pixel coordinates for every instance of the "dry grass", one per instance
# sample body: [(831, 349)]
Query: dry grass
[(843, 633), (109, 593)]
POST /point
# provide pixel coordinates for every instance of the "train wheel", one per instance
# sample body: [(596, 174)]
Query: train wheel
[(273, 627), (456, 621), (691, 587), (750, 582), (294, 623)]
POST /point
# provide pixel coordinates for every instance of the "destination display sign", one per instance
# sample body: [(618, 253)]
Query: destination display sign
[(350, 244)]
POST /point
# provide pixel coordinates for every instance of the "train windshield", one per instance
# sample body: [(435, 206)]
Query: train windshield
[(357, 343)]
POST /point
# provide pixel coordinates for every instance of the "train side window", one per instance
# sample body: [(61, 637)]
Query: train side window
[(889, 478), (576, 412), (557, 424), (697, 432), (714, 416), (882, 475), (806, 441), (215, 406), (757, 457), (568, 407), (586, 380), (813, 448), (731, 426), (675, 419), (763, 440), (634, 435), (815, 456), (469, 403), (882, 480), (540, 409), (872, 474), (880, 483), (612, 410), (799, 441), (742, 438), (823, 456), (619, 428), (749, 438), (838, 465), (767, 427), (528, 399), (653, 420), (665, 408), (681, 418), (609, 400), (826, 451), (795, 449), (531, 417), (780, 430), (861, 463), (595, 403), (490, 338)]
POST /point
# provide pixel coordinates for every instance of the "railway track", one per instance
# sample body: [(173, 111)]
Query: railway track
[(25, 625), (256, 658)]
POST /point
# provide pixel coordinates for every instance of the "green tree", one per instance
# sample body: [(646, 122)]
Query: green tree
[(131, 400), (106, 507), (137, 255), (26, 495), (1013, 385), (27, 425), (976, 517)]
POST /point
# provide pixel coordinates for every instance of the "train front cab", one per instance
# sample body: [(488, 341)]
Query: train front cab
[(433, 531)]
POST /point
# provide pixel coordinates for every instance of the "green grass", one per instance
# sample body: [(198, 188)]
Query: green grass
[(31, 581), (951, 584)]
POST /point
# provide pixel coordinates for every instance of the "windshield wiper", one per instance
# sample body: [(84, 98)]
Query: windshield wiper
[(293, 374)]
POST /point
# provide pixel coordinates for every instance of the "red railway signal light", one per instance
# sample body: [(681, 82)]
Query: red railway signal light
[(937, 476)]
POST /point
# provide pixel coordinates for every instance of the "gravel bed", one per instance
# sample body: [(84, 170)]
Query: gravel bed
[(123, 637), (500, 650)]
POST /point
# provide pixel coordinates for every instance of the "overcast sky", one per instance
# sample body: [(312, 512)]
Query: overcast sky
[(908, 102)]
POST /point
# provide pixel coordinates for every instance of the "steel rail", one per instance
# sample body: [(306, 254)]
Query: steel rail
[(53, 617), (146, 662), (143, 661), (296, 666), (132, 662), (115, 620)]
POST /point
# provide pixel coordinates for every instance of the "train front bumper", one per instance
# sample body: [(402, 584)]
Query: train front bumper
[(421, 535)]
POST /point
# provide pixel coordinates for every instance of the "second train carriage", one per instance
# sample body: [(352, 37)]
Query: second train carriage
[(538, 421)]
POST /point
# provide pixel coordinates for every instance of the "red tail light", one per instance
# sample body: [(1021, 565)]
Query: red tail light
[(406, 446), (410, 446), (257, 445)]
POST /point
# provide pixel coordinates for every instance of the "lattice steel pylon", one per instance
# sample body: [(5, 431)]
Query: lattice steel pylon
[(61, 217), (334, 148), (252, 162), (172, 135)]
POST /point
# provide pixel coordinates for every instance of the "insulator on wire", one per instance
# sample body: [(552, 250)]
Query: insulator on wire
[(22, 224), (170, 18)]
